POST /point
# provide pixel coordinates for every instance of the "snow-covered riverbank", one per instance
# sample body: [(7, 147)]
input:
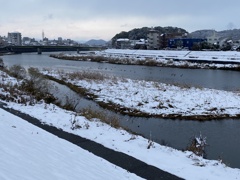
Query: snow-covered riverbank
[(158, 99), (229, 60), (183, 164)]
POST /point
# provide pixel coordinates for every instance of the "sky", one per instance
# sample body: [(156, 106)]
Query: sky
[(82, 20)]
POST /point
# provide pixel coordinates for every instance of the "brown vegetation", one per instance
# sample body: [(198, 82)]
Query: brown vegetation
[(147, 62)]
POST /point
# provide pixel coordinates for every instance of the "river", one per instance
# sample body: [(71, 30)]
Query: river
[(223, 136)]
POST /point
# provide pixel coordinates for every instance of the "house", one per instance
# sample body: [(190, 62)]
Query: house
[(140, 44), (123, 43)]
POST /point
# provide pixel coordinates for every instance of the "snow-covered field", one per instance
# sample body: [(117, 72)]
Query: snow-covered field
[(160, 99), (21, 142)]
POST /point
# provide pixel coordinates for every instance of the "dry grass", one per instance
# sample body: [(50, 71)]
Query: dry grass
[(83, 75), (90, 114), (31, 88), (197, 146)]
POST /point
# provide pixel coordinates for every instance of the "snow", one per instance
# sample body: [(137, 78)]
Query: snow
[(181, 55), (43, 158), (158, 98), (200, 59), (183, 164), (28, 152), (123, 39)]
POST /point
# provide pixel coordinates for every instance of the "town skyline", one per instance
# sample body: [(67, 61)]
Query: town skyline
[(93, 19)]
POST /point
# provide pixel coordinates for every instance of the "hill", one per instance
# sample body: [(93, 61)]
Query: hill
[(233, 34), (95, 42), (141, 33)]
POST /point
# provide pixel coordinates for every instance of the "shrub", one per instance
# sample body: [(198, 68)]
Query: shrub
[(75, 123), (18, 71), (197, 145)]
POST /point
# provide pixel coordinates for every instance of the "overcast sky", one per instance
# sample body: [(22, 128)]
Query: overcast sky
[(102, 19)]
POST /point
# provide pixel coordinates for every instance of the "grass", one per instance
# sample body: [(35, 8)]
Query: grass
[(31, 86), (83, 75), (134, 111), (148, 61), (90, 114)]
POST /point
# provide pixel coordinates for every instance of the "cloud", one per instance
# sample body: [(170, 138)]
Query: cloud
[(50, 16), (105, 18), (230, 25), (124, 25)]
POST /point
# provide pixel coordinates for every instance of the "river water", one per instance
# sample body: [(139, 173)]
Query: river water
[(223, 136)]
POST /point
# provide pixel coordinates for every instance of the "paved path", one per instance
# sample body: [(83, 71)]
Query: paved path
[(125, 161)]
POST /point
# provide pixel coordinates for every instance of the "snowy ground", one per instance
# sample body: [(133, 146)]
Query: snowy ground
[(158, 98), (230, 56), (28, 152), (194, 59), (16, 135)]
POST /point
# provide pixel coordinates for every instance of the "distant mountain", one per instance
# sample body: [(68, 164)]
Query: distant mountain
[(96, 42), (226, 34)]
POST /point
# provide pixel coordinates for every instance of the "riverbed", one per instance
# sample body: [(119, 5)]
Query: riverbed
[(222, 135)]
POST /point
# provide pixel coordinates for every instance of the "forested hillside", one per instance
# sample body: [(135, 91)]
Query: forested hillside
[(141, 33), (233, 34)]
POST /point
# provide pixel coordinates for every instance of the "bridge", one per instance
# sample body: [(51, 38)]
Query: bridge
[(40, 49)]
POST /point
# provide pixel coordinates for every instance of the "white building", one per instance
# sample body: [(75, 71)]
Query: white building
[(153, 39), (15, 38), (214, 39)]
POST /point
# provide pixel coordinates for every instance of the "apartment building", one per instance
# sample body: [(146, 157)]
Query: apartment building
[(15, 38), (153, 39)]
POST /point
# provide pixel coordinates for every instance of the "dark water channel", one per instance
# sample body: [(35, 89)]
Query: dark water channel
[(223, 136)]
